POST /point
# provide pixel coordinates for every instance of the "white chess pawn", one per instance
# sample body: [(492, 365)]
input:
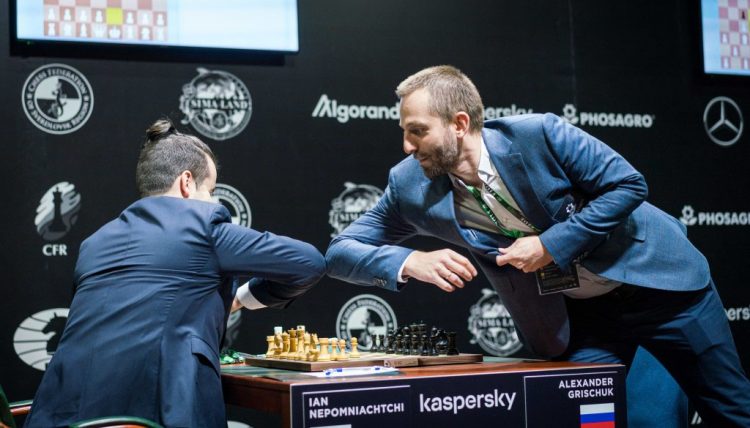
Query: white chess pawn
[(51, 29), (67, 29), (83, 32), (66, 15), (50, 14), (145, 19), (160, 19), (83, 16), (98, 17), (129, 18), (145, 33)]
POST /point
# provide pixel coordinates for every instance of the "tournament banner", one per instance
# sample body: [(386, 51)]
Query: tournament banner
[(581, 397)]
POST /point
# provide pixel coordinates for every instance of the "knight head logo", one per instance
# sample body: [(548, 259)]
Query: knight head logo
[(57, 211), (37, 337)]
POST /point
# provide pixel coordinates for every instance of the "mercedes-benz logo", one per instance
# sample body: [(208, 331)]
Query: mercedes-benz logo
[(722, 120)]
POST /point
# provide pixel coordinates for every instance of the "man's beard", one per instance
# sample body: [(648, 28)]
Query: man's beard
[(444, 158)]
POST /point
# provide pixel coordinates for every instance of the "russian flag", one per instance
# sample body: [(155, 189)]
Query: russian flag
[(598, 415)]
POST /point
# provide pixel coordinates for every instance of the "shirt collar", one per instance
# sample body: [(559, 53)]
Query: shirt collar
[(486, 170)]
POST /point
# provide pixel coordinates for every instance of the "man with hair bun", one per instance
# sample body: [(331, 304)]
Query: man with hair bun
[(154, 289)]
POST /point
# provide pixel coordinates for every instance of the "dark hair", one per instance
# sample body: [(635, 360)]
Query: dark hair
[(165, 154)]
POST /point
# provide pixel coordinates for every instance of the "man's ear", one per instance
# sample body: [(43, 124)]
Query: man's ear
[(461, 121), (186, 179)]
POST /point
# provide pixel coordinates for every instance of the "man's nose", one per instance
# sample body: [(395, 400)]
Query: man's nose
[(409, 148)]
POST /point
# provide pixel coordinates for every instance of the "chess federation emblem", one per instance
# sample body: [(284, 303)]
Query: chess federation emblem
[(363, 317), (235, 202), (492, 327), (722, 120), (216, 103), (57, 98), (354, 201), (57, 211), (37, 337)]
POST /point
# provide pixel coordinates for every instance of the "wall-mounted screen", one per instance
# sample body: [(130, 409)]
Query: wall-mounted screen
[(726, 41), (257, 25)]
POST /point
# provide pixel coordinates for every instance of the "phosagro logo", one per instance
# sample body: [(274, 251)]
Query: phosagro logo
[(492, 327), (56, 214), (235, 202), (356, 200), (690, 217), (363, 317), (36, 338), (57, 98), (217, 104), (610, 120)]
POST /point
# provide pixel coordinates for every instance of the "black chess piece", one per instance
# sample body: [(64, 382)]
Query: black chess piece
[(433, 343), (441, 344), (398, 346), (389, 349), (414, 348), (381, 343), (425, 346), (57, 224), (452, 350)]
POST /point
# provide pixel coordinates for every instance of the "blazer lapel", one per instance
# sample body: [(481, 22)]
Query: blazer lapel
[(510, 166)]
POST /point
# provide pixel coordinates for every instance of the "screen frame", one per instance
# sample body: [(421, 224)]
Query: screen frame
[(128, 52), (703, 77)]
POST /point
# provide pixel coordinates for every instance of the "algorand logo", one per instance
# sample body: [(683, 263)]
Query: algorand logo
[(363, 317), (492, 327), (216, 103), (690, 217), (354, 201), (36, 338), (235, 202), (610, 120), (57, 98), (57, 211), (328, 107)]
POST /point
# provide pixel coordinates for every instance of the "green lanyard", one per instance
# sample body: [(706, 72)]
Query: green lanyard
[(517, 214)]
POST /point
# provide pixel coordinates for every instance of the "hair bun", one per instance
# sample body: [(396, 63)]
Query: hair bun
[(160, 129)]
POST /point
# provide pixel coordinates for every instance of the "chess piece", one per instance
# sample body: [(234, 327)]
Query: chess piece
[(67, 29), (285, 346), (292, 343), (145, 19), (354, 345), (389, 348), (66, 15), (324, 355), (414, 347), (160, 20), (145, 33), (129, 18), (50, 14), (271, 346), (98, 17), (424, 346), (83, 32), (342, 345), (452, 350), (51, 29), (335, 352), (398, 345), (441, 342)]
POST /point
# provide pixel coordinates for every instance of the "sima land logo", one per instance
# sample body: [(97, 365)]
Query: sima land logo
[(216, 103), (57, 98), (37, 337), (363, 317), (235, 202), (492, 327), (354, 201)]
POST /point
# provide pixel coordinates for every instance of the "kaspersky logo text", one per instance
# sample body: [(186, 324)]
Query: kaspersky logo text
[(458, 403)]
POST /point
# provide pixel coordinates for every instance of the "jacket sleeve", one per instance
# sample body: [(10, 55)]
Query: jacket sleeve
[(364, 253), (283, 268), (611, 185)]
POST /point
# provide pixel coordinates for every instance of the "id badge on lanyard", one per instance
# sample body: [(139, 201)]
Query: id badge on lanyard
[(551, 279)]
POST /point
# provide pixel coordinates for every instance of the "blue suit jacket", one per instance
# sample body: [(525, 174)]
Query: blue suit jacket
[(549, 167), (150, 308)]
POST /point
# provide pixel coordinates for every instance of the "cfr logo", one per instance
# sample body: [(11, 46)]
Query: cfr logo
[(722, 120)]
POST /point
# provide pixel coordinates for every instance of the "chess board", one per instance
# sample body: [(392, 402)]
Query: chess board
[(734, 20), (366, 359), (107, 20)]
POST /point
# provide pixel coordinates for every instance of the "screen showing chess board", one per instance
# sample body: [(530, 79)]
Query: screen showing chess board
[(726, 41), (264, 25)]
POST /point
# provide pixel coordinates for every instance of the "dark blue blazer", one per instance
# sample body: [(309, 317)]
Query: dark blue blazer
[(551, 168), (150, 308)]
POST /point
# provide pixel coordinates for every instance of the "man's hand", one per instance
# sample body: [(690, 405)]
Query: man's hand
[(445, 268), (526, 254), (236, 305)]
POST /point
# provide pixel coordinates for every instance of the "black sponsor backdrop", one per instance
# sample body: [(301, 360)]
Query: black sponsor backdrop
[(620, 57)]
